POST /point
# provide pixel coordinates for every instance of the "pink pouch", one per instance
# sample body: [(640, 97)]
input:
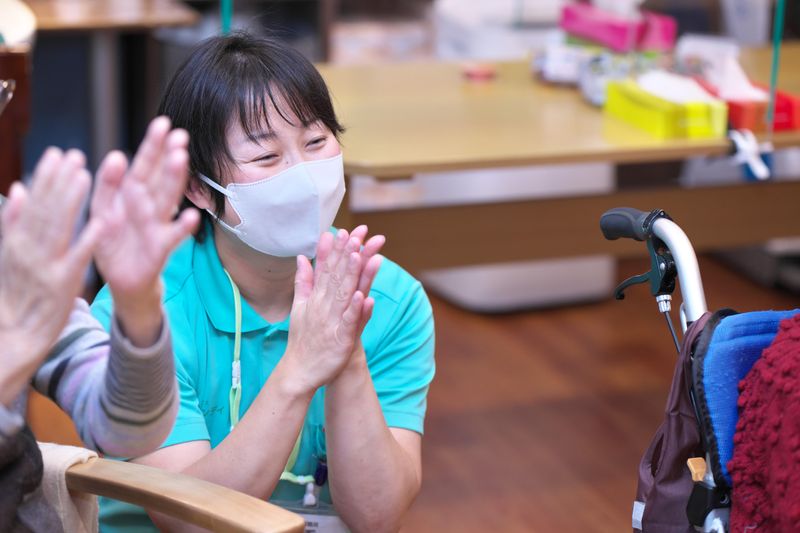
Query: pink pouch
[(659, 33), (588, 22)]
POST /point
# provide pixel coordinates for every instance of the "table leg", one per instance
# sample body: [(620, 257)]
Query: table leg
[(105, 93)]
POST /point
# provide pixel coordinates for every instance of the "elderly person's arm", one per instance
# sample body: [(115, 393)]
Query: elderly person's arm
[(122, 398), (120, 391), (128, 406)]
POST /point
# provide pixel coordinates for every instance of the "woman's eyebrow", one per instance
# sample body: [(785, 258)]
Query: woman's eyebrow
[(262, 136)]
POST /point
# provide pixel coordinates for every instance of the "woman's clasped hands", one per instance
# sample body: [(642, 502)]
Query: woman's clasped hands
[(331, 306)]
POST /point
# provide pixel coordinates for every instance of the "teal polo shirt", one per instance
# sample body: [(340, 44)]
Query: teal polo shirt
[(398, 341)]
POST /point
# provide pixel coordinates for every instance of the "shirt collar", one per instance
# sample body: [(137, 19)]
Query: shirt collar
[(216, 294)]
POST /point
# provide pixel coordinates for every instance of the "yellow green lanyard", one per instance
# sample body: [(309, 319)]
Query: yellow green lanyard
[(235, 394)]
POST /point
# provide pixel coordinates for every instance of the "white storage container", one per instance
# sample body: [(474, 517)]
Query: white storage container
[(497, 30)]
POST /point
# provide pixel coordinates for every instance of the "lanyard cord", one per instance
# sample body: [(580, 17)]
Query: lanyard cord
[(235, 394)]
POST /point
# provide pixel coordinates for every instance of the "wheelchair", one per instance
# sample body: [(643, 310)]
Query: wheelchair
[(684, 480)]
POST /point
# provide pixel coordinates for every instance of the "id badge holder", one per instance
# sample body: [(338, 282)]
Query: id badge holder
[(319, 518)]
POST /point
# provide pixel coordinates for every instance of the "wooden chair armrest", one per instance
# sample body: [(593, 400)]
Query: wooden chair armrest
[(183, 497)]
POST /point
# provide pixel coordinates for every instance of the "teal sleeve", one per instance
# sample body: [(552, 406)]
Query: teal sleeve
[(103, 307), (190, 424), (402, 364)]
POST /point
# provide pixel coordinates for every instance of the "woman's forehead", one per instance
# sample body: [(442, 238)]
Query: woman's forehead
[(265, 129)]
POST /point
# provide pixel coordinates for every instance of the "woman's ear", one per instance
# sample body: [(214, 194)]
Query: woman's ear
[(199, 195)]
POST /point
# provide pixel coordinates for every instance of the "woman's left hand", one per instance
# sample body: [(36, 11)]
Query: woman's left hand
[(370, 263), (139, 203)]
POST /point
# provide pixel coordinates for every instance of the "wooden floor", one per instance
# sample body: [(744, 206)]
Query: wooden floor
[(536, 420)]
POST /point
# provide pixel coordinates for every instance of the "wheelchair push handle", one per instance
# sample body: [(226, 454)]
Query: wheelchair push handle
[(671, 254), (624, 222)]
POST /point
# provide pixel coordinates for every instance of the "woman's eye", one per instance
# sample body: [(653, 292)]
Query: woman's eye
[(266, 158), (316, 142)]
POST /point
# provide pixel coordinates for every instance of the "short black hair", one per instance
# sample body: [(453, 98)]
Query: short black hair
[(240, 75)]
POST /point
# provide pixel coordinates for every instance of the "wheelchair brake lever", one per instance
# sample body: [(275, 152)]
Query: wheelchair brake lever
[(619, 292), (660, 277)]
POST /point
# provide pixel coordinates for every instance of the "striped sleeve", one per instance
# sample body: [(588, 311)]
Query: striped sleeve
[(123, 399)]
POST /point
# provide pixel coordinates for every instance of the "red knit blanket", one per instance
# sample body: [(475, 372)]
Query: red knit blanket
[(766, 461)]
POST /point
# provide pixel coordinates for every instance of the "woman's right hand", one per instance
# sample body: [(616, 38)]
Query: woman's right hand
[(326, 317)]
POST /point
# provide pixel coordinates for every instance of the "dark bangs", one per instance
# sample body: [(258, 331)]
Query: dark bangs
[(241, 76), (289, 83)]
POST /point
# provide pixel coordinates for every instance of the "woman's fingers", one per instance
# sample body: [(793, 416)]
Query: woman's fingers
[(344, 276), (60, 191), (73, 161), (369, 272), (72, 200), (177, 231), (334, 272), (46, 169), (15, 203), (303, 281), (56, 213), (347, 330), (59, 188), (108, 180), (174, 174), (370, 250), (147, 160), (349, 281), (327, 268), (178, 138), (366, 314), (60, 184), (373, 246), (338, 250), (324, 247), (360, 232)]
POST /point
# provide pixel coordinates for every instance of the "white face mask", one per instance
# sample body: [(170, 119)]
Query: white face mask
[(284, 215)]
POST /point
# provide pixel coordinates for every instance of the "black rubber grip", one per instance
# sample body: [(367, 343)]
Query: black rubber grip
[(624, 222)]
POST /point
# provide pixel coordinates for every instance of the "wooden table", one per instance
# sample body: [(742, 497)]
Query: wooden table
[(104, 19), (407, 118), (89, 15)]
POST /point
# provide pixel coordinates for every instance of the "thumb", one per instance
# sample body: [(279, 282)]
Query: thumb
[(17, 198), (81, 253), (303, 280)]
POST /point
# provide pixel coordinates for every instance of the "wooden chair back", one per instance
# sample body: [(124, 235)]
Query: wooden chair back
[(188, 499)]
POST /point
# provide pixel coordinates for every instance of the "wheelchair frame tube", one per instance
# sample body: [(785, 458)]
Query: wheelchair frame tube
[(694, 299)]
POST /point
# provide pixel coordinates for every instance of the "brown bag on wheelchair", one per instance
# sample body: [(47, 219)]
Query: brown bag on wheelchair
[(665, 482)]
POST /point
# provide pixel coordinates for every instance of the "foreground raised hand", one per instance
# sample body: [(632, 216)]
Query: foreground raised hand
[(139, 204), (41, 272)]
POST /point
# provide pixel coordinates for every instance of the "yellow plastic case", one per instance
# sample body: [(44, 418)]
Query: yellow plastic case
[(663, 119)]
